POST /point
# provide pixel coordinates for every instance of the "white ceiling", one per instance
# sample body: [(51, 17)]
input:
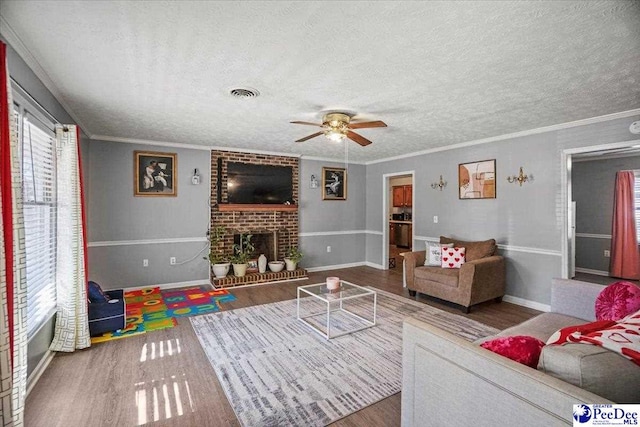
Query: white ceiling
[(438, 73)]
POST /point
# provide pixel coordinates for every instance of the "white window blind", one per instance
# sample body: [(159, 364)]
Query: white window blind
[(636, 192), (38, 155)]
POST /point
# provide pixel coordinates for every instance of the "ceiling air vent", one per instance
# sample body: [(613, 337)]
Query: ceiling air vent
[(244, 92)]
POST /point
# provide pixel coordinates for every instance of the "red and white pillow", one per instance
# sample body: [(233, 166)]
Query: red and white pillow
[(622, 337), (453, 257), (434, 253)]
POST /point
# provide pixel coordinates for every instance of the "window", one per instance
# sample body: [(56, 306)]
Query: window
[(636, 192), (38, 169)]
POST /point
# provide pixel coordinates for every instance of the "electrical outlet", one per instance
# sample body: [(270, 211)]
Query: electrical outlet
[(145, 263), (172, 260), (607, 254), (328, 248), (435, 219)]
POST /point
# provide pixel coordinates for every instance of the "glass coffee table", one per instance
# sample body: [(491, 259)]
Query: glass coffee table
[(348, 309)]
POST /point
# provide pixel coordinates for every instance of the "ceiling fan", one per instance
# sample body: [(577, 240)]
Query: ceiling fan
[(337, 126)]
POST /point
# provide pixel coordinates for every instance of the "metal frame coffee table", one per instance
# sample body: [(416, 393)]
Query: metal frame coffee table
[(335, 302)]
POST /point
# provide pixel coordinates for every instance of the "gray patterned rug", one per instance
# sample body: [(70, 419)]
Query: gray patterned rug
[(276, 371)]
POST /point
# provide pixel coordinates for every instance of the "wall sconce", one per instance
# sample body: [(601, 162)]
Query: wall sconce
[(314, 182), (195, 179), (520, 178), (440, 184)]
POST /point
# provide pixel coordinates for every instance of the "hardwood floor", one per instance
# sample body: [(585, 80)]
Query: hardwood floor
[(163, 378), (602, 280)]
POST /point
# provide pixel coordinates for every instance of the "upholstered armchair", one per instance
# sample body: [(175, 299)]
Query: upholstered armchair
[(481, 278)]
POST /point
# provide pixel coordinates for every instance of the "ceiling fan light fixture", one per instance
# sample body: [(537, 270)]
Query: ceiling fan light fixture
[(335, 135)]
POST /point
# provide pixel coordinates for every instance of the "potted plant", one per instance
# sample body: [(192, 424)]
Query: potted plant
[(292, 257), (219, 263), (241, 254)]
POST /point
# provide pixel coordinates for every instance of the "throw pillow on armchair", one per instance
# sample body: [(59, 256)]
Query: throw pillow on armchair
[(453, 257), (434, 253)]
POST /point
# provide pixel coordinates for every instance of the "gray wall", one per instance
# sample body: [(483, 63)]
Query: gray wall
[(526, 221), (593, 186), (339, 224), (120, 225)]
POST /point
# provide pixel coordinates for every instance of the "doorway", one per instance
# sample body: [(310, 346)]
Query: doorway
[(577, 227), (398, 214)]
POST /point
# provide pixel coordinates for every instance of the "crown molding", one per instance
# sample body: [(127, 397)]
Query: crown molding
[(137, 141), (327, 159), (560, 126), (21, 49)]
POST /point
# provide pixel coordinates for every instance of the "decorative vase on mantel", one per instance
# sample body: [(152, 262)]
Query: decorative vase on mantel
[(262, 264)]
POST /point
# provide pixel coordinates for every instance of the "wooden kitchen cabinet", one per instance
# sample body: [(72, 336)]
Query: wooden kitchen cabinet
[(408, 195), (402, 196), (392, 234)]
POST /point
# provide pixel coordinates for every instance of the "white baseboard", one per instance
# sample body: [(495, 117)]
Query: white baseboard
[(349, 265), (526, 303), (39, 370), (168, 285), (590, 271), (374, 265), (335, 267)]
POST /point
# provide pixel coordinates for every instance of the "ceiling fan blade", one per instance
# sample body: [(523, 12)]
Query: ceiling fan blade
[(362, 125), (358, 138), (310, 136), (306, 123)]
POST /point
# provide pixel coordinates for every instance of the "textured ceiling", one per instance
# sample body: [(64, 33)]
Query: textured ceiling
[(438, 73)]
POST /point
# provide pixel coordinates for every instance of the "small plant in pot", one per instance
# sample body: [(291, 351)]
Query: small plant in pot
[(241, 254), (219, 263), (292, 257)]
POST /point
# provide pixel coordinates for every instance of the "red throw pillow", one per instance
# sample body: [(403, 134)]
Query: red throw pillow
[(521, 348), (617, 300)]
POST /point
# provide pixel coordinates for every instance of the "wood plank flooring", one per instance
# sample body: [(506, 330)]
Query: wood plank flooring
[(163, 378)]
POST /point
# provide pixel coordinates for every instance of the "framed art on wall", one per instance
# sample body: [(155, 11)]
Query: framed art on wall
[(334, 184), (154, 174), (477, 180)]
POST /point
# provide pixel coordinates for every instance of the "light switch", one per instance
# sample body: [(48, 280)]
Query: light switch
[(435, 219)]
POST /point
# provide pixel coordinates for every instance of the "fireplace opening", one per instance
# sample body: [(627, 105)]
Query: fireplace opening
[(264, 243)]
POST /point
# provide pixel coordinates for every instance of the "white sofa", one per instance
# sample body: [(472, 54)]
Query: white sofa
[(448, 381)]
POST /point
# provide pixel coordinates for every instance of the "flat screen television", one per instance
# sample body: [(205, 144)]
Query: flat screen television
[(259, 184)]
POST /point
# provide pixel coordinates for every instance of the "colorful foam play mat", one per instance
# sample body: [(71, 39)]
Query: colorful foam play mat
[(151, 309)]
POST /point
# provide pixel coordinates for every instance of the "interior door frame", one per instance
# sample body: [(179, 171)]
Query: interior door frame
[(386, 187), (566, 163)]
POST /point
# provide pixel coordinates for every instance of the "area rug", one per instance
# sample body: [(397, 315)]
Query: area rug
[(151, 309), (276, 371)]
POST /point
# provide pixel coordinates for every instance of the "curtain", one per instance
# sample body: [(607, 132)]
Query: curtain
[(72, 321), (625, 257), (13, 295)]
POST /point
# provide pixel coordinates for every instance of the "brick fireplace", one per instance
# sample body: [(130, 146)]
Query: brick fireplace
[(275, 223), (264, 243)]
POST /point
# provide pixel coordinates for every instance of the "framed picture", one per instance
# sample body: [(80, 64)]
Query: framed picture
[(334, 184), (477, 180), (252, 265), (154, 174)]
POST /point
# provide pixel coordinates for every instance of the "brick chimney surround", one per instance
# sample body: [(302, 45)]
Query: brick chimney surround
[(279, 220)]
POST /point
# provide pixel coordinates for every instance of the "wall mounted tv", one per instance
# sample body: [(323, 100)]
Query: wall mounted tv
[(259, 184)]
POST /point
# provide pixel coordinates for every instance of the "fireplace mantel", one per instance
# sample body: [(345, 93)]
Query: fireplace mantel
[(235, 207)]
